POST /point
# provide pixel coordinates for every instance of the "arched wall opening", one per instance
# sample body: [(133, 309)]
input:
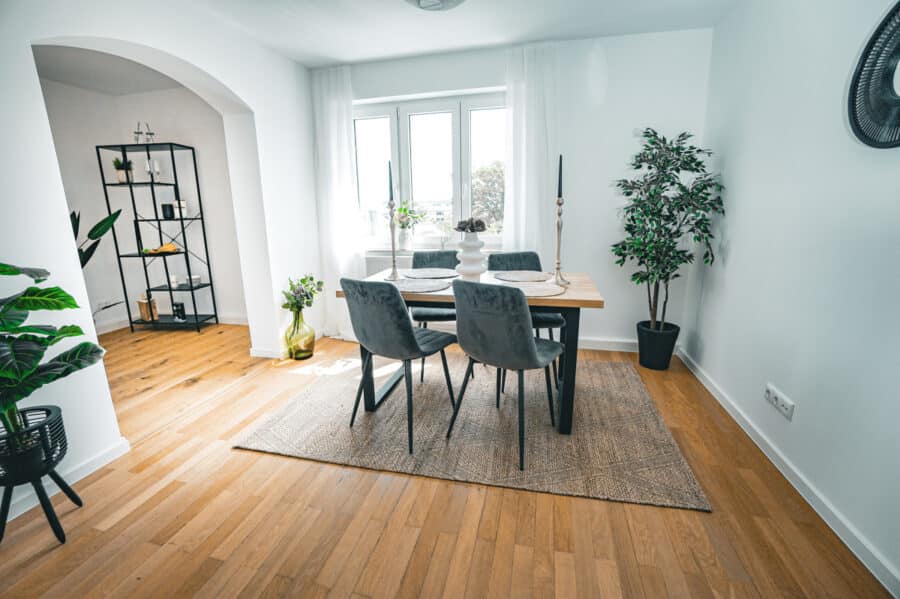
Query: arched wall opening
[(242, 155)]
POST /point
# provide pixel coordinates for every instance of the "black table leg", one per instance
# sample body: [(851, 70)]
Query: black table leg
[(372, 399), (568, 368)]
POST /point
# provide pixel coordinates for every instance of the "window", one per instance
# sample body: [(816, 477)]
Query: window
[(448, 160)]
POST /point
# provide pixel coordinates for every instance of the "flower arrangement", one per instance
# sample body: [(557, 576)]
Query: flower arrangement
[(119, 165), (407, 218), (300, 293), (472, 225)]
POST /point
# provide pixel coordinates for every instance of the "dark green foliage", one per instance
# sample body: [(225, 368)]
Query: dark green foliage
[(22, 346), (671, 202), (97, 231), (488, 194)]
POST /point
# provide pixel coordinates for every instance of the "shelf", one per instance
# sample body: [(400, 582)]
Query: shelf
[(168, 321), (142, 255), (181, 287), (158, 146), (166, 220), (141, 184)]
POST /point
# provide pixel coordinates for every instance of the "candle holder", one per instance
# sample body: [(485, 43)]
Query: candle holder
[(559, 279), (394, 275)]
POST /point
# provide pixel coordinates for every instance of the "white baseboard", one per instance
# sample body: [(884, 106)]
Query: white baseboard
[(71, 474), (886, 572), (607, 343), (264, 352), (110, 326)]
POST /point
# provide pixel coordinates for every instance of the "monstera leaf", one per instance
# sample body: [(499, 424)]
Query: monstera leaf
[(79, 357), (38, 298), (38, 275), (19, 357)]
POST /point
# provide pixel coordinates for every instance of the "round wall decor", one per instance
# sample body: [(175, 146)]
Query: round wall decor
[(873, 104)]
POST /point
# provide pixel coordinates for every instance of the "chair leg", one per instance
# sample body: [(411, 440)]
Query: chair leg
[(521, 420), (65, 488), (48, 510), (503, 382), (537, 333), (359, 390), (422, 374), (4, 509), (553, 364), (499, 371), (462, 391), (407, 372), (447, 378), (549, 394)]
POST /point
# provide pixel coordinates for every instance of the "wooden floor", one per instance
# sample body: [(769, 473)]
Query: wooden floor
[(184, 514)]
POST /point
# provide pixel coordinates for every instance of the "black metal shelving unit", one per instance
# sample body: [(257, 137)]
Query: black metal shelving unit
[(143, 222)]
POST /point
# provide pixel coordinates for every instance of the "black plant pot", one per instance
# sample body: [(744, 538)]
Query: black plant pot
[(32, 454), (655, 347)]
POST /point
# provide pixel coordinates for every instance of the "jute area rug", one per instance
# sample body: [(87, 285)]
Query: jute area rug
[(620, 449)]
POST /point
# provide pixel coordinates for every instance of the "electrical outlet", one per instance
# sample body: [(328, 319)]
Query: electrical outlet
[(780, 401)]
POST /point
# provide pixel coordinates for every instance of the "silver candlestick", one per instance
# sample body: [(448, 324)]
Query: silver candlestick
[(559, 278), (394, 276)]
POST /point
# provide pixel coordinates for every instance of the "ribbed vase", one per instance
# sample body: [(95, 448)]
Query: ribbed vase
[(471, 260)]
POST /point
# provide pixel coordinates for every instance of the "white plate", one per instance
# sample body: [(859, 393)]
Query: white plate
[(421, 285), (523, 276), (430, 273)]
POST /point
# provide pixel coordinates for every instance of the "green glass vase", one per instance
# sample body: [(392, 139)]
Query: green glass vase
[(300, 338)]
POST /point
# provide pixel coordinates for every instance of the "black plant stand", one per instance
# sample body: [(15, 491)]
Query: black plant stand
[(36, 452)]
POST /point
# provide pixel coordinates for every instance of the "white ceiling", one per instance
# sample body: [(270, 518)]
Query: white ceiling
[(98, 71), (322, 32)]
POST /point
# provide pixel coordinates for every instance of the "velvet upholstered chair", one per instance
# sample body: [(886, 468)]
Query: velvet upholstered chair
[(493, 324), (539, 320), (382, 326), (424, 315)]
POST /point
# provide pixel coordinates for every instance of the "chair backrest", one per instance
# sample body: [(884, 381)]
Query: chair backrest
[(380, 320), (435, 259), (493, 325), (514, 261)]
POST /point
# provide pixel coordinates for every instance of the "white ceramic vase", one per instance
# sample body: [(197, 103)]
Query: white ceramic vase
[(404, 241), (471, 260)]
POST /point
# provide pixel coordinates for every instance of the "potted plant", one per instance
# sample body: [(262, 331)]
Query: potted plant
[(300, 338), (123, 169), (100, 229), (32, 441), (471, 260), (407, 219), (671, 201)]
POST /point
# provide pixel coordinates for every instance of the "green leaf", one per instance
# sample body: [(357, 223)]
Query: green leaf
[(75, 219), (84, 255), (79, 357), (10, 318), (47, 298), (37, 274), (50, 334), (105, 224), (19, 357)]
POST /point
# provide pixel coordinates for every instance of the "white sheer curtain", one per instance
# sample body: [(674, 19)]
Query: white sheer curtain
[(338, 211), (531, 148)]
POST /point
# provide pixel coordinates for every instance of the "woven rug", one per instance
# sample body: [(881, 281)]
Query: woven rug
[(619, 449)]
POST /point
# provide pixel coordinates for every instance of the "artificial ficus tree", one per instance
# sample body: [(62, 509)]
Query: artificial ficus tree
[(671, 201)]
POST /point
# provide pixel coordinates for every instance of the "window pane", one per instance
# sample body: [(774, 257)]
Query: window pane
[(431, 172), (373, 151), (488, 151)]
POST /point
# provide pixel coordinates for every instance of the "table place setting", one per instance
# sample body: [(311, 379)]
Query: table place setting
[(430, 273), (535, 288), (421, 285), (523, 276)]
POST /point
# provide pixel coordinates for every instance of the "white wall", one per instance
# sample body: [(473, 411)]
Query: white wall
[(81, 119), (607, 89), (263, 96), (804, 292)]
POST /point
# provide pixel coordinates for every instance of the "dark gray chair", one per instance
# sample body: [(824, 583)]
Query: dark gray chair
[(493, 324), (424, 315), (382, 326), (539, 320)]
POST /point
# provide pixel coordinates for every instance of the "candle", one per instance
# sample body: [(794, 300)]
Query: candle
[(559, 184), (390, 182)]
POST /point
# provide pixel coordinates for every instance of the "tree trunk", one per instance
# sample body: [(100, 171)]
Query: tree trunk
[(654, 304), (662, 322)]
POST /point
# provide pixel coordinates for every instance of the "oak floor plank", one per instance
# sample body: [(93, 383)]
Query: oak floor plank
[(184, 514)]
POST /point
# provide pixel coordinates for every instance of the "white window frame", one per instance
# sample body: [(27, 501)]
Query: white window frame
[(399, 112)]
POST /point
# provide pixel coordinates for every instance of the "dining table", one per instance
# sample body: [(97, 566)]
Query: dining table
[(580, 293)]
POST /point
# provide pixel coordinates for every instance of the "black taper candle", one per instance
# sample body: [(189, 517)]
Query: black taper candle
[(559, 185), (390, 182)]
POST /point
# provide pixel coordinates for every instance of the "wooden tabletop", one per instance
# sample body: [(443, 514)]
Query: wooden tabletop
[(581, 293)]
